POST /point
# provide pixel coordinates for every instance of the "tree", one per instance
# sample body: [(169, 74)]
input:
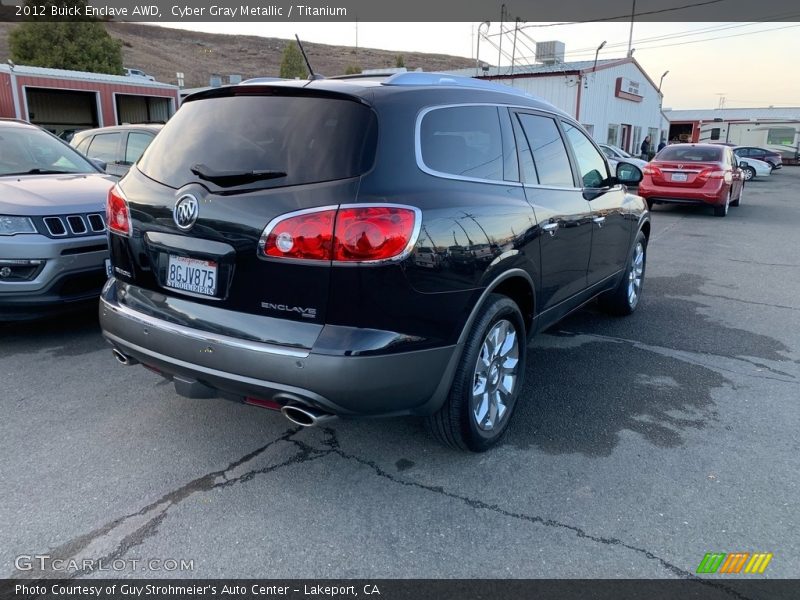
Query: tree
[(68, 44), (293, 64), (400, 61), (352, 70)]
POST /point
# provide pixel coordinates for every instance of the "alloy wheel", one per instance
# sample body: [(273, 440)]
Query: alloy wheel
[(635, 275), (496, 376)]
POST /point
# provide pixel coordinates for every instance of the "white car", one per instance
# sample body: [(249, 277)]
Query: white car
[(129, 72), (617, 155), (753, 168)]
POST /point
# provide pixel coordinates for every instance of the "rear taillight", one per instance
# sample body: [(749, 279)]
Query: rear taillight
[(373, 233), (306, 235), (651, 170), (347, 234), (118, 216), (727, 176)]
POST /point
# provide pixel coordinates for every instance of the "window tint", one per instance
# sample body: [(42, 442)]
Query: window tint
[(463, 140), (104, 147), (310, 138), (591, 165), (550, 159), (137, 142), (689, 153)]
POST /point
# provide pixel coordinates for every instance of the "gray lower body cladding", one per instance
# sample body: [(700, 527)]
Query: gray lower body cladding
[(413, 382)]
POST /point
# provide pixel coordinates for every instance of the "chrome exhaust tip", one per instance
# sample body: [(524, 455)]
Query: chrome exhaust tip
[(124, 359), (305, 416)]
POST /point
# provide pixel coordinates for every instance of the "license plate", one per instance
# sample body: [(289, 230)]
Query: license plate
[(679, 177), (192, 275), (108, 268)]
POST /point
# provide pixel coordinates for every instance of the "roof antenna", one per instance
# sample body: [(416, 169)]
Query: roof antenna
[(311, 74)]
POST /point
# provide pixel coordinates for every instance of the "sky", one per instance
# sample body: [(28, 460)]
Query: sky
[(738, 64)]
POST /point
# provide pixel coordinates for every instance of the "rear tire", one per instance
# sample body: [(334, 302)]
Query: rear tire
[(624, 299), (739, 197), (722, 211), (486, 385)]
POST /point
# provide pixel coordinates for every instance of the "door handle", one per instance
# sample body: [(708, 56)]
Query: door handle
[(599, 220), (550, 228)]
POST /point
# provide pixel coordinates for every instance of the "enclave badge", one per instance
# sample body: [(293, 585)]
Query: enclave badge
[(185, 212)]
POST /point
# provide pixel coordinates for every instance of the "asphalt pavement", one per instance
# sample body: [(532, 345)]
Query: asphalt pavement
[(640, 444)]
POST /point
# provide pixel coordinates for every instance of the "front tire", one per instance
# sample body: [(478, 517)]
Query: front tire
[(624, 299), (749, 173), (486, 385)]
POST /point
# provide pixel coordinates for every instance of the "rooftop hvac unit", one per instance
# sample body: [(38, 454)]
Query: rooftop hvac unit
[(215, 80), (234, 79), (550, 53)]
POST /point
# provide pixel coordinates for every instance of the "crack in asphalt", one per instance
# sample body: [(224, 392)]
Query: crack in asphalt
[(763, 264), (753, 302), (134, 528), (332, 442), (221, 479), (693, 357)]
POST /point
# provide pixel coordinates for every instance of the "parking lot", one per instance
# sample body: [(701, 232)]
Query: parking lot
[(641, 443)]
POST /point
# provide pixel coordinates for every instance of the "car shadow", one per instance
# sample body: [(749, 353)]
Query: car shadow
[(70, 334)]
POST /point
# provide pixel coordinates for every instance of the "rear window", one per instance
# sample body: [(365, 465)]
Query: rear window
[(309, 139), (688, 153)]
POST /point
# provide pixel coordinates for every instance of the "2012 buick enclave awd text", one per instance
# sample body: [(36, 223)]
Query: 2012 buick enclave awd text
[(367, 246)]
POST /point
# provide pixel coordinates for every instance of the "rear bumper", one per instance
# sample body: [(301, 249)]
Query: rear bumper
[(413, 382), (674, 195)]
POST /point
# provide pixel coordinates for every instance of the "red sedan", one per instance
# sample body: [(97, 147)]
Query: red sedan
[(701, 174)]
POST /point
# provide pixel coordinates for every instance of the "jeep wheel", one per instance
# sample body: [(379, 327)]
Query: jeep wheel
[(486, 385), (624, 299)]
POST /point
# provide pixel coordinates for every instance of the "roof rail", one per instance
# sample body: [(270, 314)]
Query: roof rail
[(260, 80), (444, 79)]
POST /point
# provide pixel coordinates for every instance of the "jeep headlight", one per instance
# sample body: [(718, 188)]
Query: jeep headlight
[(14, 225)]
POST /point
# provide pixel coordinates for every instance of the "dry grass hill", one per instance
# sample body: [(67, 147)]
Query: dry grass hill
[(161, 52)]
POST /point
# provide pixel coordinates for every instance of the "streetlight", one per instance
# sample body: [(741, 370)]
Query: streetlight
[(478, 49), (596, 54), (662, 80)]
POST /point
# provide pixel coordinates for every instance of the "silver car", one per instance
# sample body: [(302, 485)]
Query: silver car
[(53, 243)]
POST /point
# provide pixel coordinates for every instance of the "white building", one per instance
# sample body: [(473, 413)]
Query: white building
[(614, 99), (774, 128)]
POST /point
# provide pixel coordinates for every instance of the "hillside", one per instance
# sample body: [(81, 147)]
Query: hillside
[(161, 52)]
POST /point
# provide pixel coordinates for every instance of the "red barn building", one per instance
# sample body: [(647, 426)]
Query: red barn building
[(61, 100)]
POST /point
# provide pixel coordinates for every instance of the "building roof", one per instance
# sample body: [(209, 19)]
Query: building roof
[(536, 69), (734, 114), (82, 75)]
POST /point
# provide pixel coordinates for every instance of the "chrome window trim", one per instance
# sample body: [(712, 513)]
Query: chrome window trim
[(418, 145), (202, 336)]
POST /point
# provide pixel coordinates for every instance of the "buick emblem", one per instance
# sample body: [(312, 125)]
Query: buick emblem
[(185, 212), (680, 166)]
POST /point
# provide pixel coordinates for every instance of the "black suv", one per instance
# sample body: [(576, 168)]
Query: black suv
[(366, 247)]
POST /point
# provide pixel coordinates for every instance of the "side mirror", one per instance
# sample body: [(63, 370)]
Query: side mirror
[(99, 164), (629, 174)]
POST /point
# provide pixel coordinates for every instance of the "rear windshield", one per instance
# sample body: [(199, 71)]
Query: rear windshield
[(690, 154), (308, 139)]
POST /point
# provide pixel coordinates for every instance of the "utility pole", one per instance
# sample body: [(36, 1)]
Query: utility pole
[(500, 47), (514, 47), (630, 35)]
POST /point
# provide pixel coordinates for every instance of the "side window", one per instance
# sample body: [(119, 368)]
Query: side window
[(463, 140), (591, 165), (84, 144), (550, 163), (137, 143), (608, 152), (104, 147)]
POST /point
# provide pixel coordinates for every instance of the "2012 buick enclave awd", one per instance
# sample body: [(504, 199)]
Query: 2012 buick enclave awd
[(366, 247)]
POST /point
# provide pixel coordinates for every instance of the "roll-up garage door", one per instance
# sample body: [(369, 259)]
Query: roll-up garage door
[(142, 109), (61, 110)]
